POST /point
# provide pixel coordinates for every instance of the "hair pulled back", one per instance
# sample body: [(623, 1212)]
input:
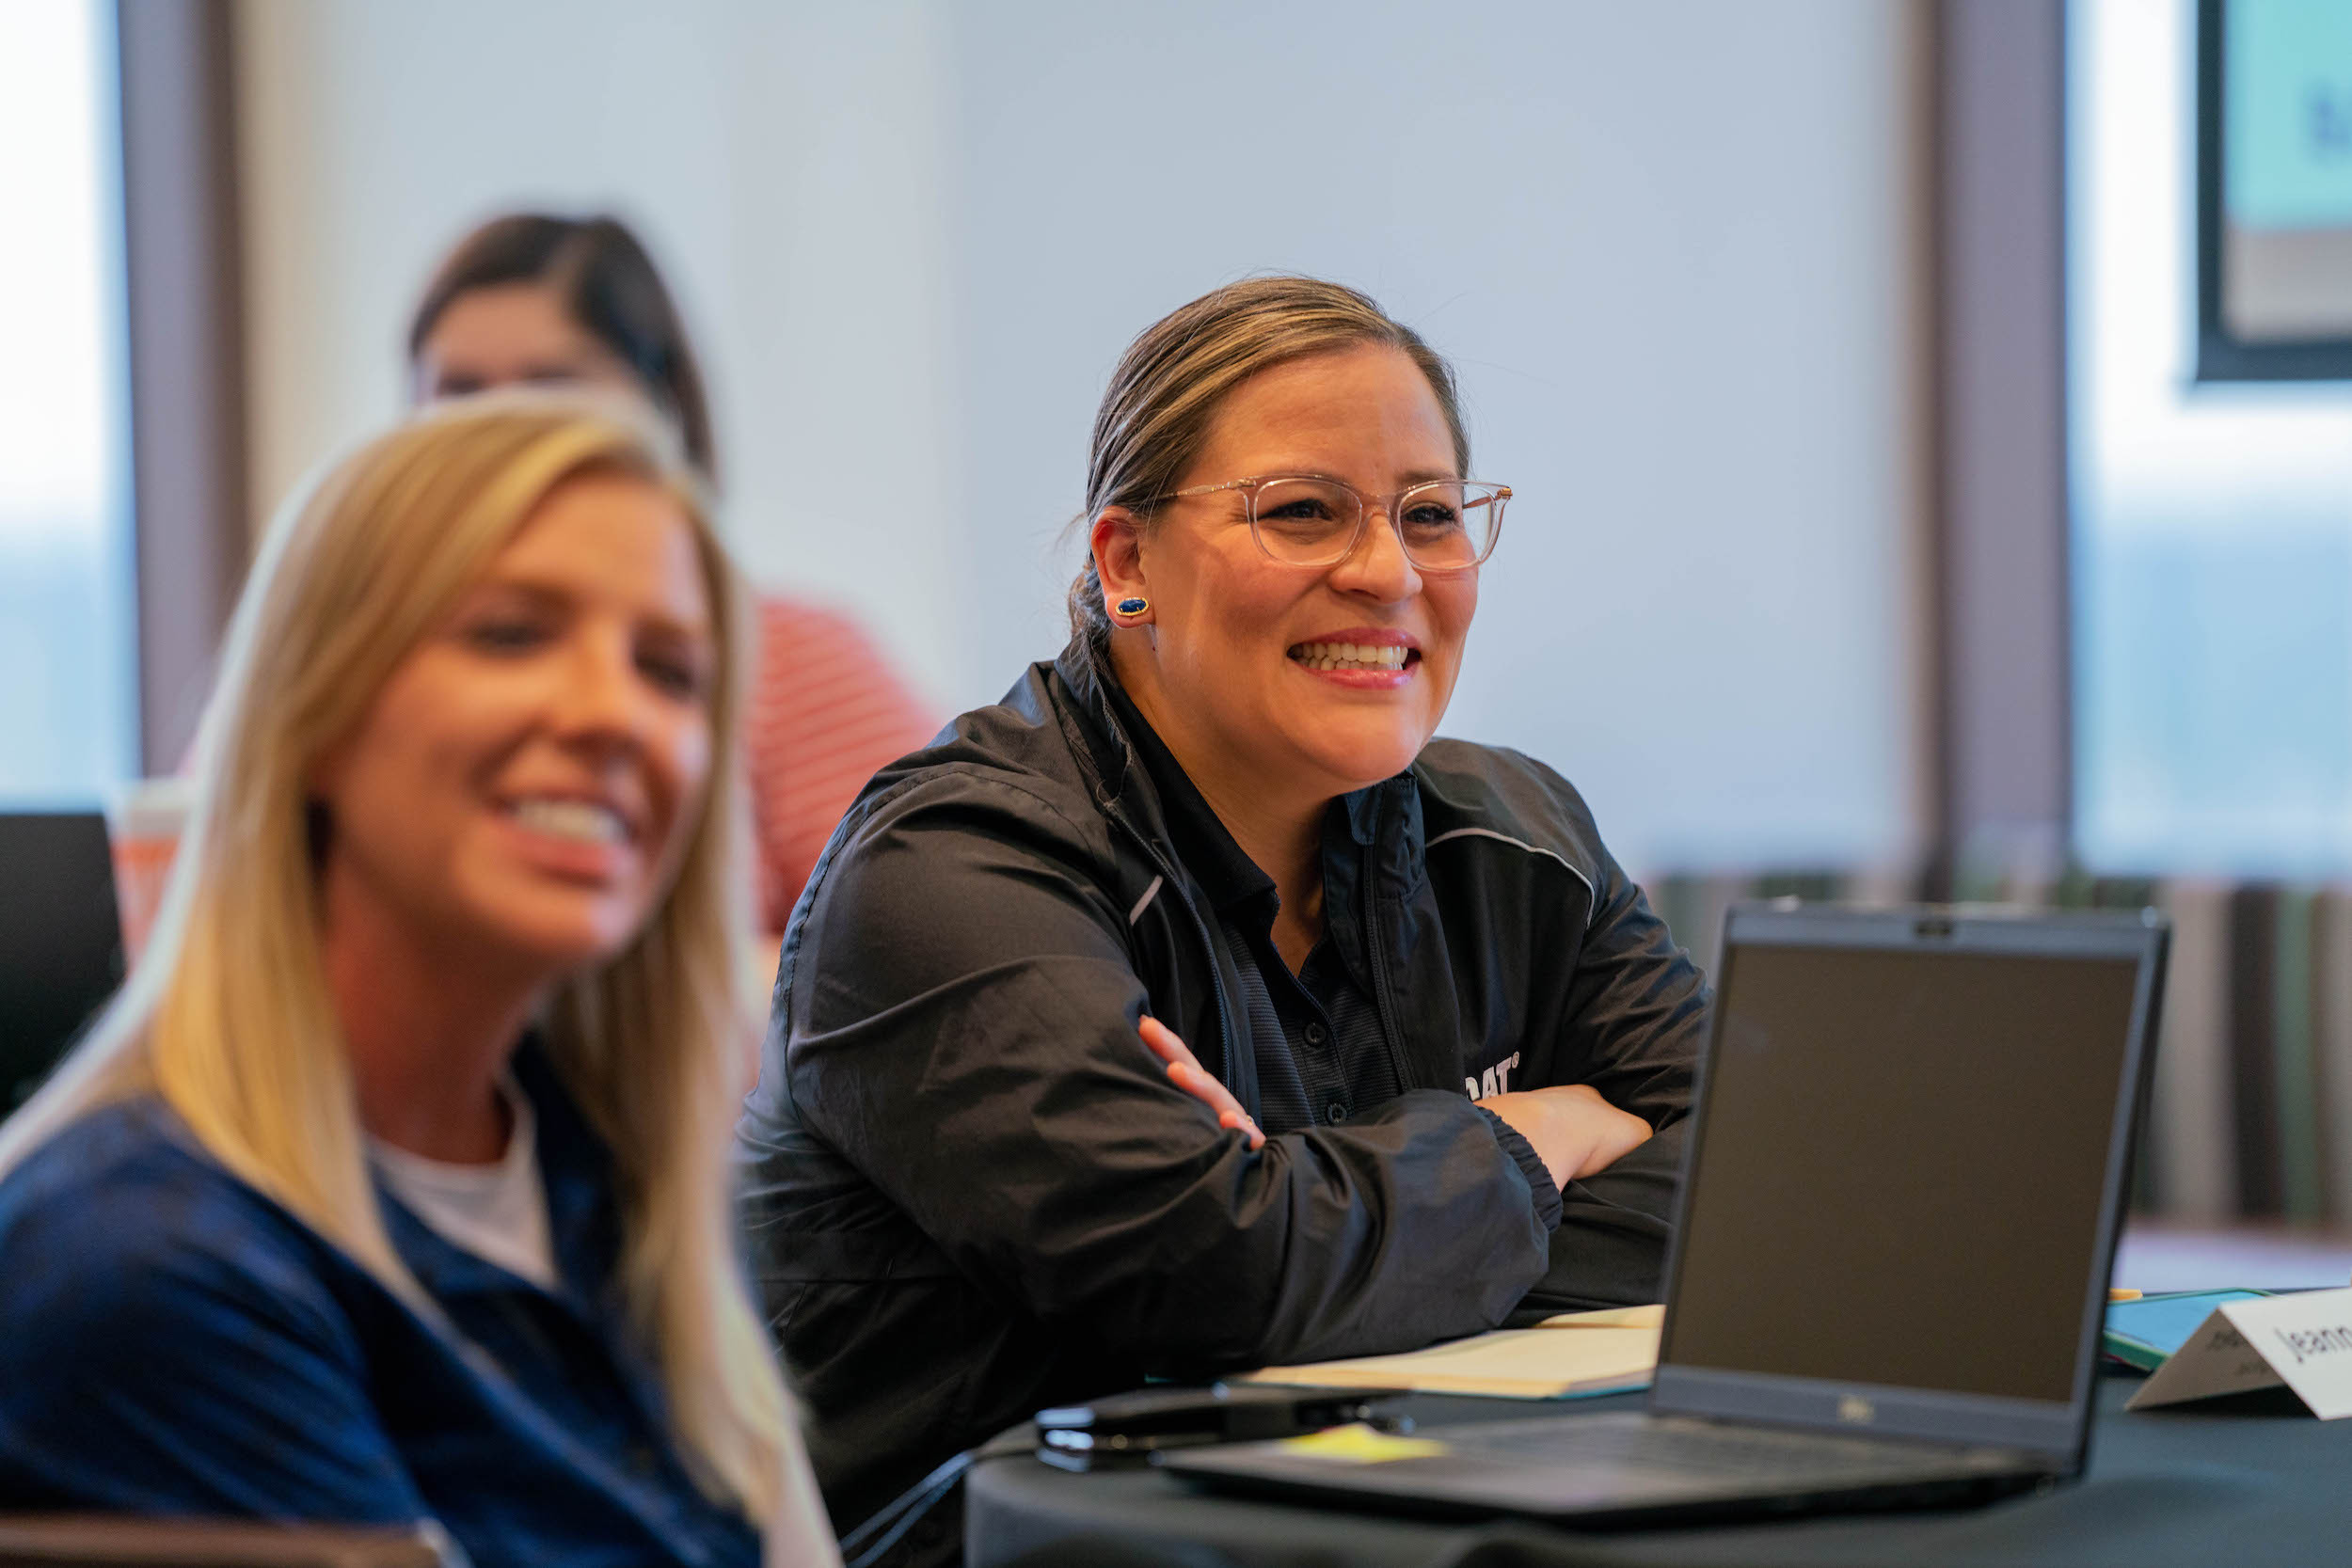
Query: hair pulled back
[(1169, 383), (607, 285)]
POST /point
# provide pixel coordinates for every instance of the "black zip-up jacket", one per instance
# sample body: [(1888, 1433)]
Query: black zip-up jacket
[(970, 1190)]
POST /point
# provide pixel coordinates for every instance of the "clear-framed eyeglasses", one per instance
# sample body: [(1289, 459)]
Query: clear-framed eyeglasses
[(1445, 525)]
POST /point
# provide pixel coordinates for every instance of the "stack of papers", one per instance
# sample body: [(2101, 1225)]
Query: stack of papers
[(1570, 1356)]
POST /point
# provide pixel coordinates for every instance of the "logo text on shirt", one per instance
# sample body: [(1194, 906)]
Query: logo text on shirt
[(1494, 1081)]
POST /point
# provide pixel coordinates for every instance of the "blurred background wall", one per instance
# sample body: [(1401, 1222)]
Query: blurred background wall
[(1885, 525), (1670, 248)]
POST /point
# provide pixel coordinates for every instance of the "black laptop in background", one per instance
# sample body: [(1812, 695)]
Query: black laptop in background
[(60, 940), (1906, 1176)]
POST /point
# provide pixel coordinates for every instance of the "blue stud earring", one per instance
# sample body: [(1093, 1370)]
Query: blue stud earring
[(1132, 606)]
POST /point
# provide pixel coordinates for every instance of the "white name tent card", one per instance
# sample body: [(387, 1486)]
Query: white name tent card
[(2302, 1342)]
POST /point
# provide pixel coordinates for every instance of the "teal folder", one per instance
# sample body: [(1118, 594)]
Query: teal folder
[(2144, 1333)]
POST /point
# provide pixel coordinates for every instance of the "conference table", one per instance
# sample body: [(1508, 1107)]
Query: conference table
[(2243, 1482)]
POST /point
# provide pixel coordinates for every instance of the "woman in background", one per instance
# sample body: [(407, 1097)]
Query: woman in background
[(533, 299), (391, 1188)]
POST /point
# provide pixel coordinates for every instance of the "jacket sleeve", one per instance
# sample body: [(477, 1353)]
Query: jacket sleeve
[(1614, 1229), (1637, 1006), (959, 1013)]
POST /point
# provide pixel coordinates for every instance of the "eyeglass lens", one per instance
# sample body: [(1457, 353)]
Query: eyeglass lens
[(1313, 522)]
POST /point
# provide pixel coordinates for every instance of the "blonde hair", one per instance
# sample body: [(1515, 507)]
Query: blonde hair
[(226, 1017), (1163, 398)]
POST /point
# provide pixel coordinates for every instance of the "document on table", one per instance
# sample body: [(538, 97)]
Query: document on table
[(1568, 1356)]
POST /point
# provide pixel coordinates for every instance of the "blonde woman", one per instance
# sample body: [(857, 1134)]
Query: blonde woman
[(391, 1186)]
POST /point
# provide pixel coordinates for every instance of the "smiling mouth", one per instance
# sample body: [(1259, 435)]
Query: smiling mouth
[(1354, 656), (578, 821)]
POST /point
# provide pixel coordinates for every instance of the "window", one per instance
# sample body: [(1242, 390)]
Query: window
[(2212, 522), (69, 707)]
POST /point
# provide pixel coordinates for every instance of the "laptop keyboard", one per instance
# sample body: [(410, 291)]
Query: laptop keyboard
[(1696, 1449)]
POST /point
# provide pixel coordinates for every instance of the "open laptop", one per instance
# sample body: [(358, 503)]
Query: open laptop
[(60, 940), (1905, 1180)]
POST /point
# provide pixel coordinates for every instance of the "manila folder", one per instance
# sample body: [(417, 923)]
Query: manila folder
[(1574, 1353)]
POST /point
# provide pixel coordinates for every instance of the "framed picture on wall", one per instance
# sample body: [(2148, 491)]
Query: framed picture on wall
[(2274, 190)]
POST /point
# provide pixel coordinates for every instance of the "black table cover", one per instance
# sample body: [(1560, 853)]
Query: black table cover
[(2243, 1482)]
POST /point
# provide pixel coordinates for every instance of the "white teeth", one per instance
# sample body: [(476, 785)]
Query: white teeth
[(584, 820), (1350, 655)]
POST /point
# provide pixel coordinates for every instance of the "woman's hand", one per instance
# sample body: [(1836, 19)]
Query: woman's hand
[(1572, 1130), (1185, 1072)]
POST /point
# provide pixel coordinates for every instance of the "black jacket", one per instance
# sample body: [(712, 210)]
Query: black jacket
[(969, 1190)]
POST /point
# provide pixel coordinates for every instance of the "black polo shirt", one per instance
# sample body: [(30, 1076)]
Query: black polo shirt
[(1337, 1061)]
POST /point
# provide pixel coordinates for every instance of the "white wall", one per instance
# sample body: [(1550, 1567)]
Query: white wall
[(782, 161), (1666, 245)]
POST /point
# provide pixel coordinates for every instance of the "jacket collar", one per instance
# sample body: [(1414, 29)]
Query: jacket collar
[(1098, 738), (1203, 844)]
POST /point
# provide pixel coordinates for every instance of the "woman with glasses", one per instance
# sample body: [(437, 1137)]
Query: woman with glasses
[(392, 1188), (1212, 854)]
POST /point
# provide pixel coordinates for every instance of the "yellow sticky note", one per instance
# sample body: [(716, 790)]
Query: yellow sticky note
[(1360, 1445)]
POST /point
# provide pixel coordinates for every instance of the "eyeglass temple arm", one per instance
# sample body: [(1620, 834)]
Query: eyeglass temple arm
[(1208, 489), (1500, 492)]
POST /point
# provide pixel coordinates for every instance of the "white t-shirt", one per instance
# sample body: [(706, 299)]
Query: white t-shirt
[(498, 1211)]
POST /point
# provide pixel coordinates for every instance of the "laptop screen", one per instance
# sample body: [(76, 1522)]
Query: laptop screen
[(1902, 1164)]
